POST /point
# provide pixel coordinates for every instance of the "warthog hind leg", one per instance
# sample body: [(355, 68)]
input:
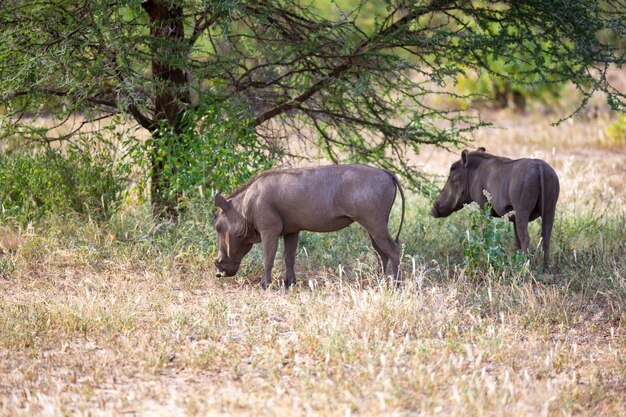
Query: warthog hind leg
[(384, 243), (383, 258)]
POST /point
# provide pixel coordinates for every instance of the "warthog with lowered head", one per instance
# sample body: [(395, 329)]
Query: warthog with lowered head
[(318, 199), (530, 187)]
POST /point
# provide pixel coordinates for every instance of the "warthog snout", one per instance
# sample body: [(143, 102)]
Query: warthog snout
[(434, 211), (225, 269), (440, 210)]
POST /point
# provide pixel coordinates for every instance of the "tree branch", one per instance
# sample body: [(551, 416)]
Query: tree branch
[(350, 60)]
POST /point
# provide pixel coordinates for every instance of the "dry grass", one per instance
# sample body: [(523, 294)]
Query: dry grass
[(105, 320)]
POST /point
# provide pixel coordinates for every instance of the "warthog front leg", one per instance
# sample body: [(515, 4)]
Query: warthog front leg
[(291, 247), (270, 244)]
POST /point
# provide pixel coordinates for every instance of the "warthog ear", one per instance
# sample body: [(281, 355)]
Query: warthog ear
[(221, 202), (481, 149), (464, 157)]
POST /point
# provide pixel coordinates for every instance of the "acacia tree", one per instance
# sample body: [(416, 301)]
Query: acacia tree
[(365, 91)]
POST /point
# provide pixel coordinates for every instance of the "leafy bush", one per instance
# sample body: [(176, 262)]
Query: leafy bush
[(34, 184), (212, 148), (484, 243), (7, 267)]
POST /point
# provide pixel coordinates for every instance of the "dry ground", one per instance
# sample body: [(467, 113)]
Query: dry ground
[(90, 327)]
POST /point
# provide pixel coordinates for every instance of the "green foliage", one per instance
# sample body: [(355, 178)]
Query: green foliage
[(529, 68), (616, 132), (34, 184), (361, 75), (493, 87), (7, 266), (347, 69), (484, 244), (213, 149)]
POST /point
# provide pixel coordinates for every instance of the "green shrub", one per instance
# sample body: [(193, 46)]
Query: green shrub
[(213, 149), (7, 267), (484, 243), (34, 184)]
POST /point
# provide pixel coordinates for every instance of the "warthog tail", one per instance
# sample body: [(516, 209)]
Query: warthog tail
[(543, 201), (397, 182), (546, 224)]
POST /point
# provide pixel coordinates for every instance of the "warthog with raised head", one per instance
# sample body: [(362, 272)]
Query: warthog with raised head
[(530, 187), (318, 199)]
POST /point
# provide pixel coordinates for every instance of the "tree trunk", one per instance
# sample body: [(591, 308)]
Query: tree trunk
[(519, 101), (171, 92), (500, 96)]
